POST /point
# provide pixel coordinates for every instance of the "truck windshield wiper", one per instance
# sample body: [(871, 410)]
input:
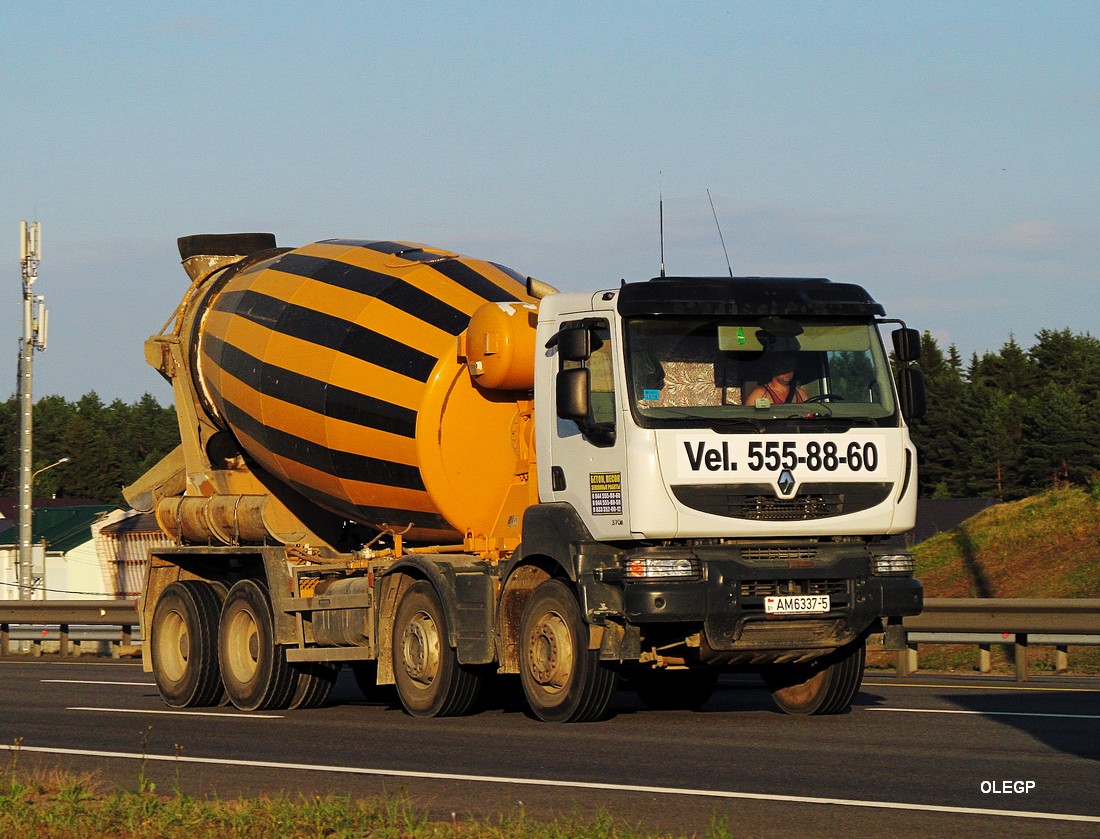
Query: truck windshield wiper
[(815, 412), (730, 424), (819, 422), (723, 425)]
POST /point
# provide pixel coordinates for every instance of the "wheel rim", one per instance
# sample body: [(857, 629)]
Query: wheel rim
[(806, 694), (550, 653), (244, 646), (173, 646), (420, 649)]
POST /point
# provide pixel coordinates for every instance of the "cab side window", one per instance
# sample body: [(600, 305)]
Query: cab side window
[(595, 412)]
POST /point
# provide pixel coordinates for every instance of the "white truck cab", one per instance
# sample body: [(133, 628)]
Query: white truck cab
[(735, 451)]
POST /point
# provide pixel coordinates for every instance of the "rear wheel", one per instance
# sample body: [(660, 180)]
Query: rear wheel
[(254, 668), (315, 681), (184, 646), (826, 685), (563, 680), (430, 680)]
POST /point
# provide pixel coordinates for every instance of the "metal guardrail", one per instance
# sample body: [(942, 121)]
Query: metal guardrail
[(66, 614), (1020, 622)]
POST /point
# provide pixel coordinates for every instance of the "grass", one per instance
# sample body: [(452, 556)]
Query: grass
[(1046, 545), (62, 805)]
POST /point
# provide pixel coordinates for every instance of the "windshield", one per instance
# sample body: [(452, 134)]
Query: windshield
[(706, 370)]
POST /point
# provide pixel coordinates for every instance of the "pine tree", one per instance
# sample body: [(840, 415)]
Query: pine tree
[(939, 435)]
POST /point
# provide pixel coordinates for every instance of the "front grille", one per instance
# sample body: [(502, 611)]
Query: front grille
[(759, 502), (770, 508), (774, 553), (770, 588)]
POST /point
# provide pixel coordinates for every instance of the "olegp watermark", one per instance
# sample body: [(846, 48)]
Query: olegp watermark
[(1007, 787)]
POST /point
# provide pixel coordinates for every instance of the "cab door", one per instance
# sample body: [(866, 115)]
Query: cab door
[(588, 448)]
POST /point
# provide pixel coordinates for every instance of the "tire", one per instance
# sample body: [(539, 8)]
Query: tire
[(675, 690), (430, 681), (826, 685), (254, 668), (563, 680), (184, 646), (315, 681)]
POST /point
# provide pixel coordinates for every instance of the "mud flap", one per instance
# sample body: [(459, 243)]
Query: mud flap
[(892, 637)]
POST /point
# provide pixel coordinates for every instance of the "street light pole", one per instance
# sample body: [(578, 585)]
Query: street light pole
[(34, 338), (38, 472)]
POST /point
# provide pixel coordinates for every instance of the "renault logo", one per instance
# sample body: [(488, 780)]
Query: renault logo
[(786, 482)]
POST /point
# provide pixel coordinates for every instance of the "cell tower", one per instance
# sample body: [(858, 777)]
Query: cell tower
[(35, 319)]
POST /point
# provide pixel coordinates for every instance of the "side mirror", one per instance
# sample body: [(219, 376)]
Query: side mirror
[(911, 392), (906, 344), (572, 392), (575, 344)]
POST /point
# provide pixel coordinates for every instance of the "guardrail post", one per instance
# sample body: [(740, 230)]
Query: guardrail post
[(63, 640), (1061, 658), (127, 641), (5, 638), (985, 662), (907, 660), (1021, 657)]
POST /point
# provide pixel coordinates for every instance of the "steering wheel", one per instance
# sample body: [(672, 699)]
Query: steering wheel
[(825, 397)]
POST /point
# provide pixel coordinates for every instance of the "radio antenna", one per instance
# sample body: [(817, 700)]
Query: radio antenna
[(661, 220), (721, 238)]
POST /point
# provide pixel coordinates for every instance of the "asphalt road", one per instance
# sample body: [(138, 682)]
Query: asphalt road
[(934, 757)]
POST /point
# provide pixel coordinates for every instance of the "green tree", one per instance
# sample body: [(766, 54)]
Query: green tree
[(1011, 370), (1059, 439), (993, 442), (9, 446), (939, 435), (110, 445)]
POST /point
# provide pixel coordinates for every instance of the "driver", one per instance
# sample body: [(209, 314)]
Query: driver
[(781, 388)]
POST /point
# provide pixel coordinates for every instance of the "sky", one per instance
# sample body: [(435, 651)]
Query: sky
[(944, 155)]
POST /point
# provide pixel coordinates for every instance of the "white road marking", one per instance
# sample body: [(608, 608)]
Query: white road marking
[(91, 682), (988, 713), (182, 713), (932, 686), (70, 662), (545, 782)]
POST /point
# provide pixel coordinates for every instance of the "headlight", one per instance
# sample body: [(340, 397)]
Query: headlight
[(893, 564), (662, 568)]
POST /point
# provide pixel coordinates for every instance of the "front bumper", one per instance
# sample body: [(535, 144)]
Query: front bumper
[(728, 601)]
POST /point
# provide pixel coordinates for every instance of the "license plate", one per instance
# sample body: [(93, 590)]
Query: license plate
[(797, 604)]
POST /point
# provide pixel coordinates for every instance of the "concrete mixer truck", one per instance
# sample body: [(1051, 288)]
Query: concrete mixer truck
[(434, 470)]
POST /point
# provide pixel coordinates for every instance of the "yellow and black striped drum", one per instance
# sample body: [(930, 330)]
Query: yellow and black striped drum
[(337, 367)]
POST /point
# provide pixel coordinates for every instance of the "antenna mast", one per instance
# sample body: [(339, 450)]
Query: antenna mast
[(661, 221), (721, 238), (33, 338)]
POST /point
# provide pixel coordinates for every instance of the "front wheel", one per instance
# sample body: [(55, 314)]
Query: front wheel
[(826, 685), (563, 680), (430, 680)]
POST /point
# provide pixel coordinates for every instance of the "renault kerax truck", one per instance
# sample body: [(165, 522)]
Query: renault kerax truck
[(442, 474)]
